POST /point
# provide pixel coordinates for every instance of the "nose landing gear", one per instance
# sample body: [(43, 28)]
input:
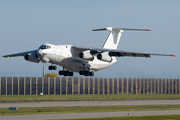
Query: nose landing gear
[(52, 67)]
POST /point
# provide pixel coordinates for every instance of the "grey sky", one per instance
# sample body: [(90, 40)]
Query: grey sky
[(25, 25)]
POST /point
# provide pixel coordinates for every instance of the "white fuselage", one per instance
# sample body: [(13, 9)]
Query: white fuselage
[(67, 57)]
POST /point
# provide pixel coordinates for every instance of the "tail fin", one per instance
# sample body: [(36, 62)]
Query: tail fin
[(114, 36)]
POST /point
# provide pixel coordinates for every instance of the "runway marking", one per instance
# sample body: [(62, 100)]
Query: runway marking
[(90, 103)]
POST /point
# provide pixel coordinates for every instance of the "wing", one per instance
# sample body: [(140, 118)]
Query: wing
[(18, 54), (118, 53)]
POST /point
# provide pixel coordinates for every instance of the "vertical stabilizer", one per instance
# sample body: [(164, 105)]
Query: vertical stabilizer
[(113, 38)]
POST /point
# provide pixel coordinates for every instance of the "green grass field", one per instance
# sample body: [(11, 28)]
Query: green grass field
[(86, 97), (52, 110), (159, 117)]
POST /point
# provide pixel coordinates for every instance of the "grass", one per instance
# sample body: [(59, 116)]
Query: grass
[(52, 110), (159, 117), (86, 97)]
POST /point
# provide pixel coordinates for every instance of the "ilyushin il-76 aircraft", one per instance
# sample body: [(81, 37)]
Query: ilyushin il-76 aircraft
[(84, 60)]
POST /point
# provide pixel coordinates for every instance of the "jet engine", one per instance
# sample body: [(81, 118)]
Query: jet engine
[(104, 57), (86, 55), (32, 57)]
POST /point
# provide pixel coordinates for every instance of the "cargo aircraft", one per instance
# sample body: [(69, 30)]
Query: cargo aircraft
[(84, 60)]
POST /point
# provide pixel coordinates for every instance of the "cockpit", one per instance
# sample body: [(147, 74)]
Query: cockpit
[(44, 47)]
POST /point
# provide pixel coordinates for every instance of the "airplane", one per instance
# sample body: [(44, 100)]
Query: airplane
[(80, 59)]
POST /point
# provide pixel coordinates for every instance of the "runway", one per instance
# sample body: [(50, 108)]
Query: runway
[(90, 103), (90, 115)]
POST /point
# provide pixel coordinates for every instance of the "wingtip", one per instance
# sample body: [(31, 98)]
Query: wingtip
[(172, 55), (148, 30), (99, 29), (5, 56)]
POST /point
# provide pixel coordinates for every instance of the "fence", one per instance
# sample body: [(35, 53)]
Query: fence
[(71, 85)]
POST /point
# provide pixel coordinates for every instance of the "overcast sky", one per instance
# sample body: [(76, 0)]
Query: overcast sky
[(26, 24)]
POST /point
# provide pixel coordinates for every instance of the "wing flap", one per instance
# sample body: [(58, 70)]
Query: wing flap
[(130, 54), (119, 53)]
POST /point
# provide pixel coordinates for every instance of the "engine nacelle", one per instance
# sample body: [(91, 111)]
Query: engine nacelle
[(32, 57), (86, 55), (104, 57)]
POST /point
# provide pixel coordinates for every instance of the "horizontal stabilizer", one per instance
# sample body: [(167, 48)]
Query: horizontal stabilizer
[(110, 29), (113, 39)]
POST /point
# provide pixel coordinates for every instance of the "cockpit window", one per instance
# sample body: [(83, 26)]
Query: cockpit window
[(44, 47)]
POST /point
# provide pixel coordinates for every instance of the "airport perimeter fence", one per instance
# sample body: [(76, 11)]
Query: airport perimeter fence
[(75, 85)]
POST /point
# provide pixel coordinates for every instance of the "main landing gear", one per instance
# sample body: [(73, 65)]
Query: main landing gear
[(86, 73), (69, 73), (65, 73)]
